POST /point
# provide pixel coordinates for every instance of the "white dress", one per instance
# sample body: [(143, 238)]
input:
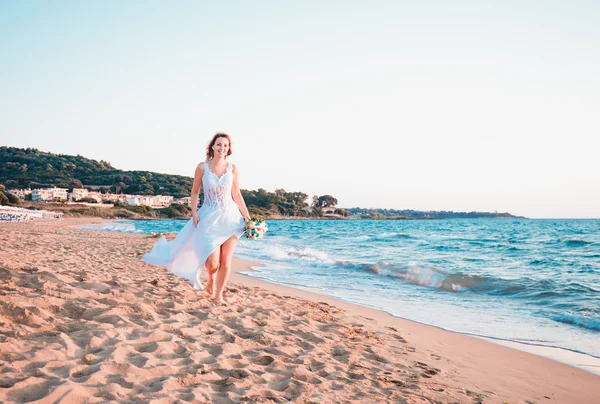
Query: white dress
[(220, 218)]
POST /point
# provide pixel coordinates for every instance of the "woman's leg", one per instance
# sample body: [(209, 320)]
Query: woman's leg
[(225, 266), (212, 266)]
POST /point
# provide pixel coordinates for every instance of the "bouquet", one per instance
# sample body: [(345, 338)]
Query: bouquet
[(255, 228)]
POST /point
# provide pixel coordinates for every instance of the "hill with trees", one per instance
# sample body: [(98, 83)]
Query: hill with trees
[(32, 168)]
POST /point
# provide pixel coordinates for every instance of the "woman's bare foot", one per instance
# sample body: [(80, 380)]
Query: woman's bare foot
[(210, 289), (220, 299)]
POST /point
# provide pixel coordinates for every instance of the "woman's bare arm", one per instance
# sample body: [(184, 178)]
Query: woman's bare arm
[(196, 190), (236, 193)]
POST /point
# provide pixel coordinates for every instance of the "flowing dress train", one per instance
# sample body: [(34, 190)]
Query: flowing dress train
[(220, 219)]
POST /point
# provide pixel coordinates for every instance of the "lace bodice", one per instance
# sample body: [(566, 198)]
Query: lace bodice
[(217, 191)]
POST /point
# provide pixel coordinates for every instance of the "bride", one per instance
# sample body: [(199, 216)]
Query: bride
[(209, 237)]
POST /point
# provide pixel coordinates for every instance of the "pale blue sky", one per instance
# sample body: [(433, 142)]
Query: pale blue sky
[(463, 105)]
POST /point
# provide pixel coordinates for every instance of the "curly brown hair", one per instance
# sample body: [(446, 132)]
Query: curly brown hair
[(210, 154)]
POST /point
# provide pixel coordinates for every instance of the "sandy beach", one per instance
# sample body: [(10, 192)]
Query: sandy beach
[(83, 319)]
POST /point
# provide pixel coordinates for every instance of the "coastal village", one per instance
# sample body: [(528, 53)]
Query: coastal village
[(79, 196), (89, 197)]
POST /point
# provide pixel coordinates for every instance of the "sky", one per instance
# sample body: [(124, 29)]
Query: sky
[(425, 105)]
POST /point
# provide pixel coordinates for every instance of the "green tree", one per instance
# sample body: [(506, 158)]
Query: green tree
[(341, 212), (87, 200), (72, 183), (324, 201)]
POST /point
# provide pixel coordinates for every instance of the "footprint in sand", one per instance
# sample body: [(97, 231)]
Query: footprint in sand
[(315, 366), (9, 382), (153, 385), (245, 334), (83, 374), (148, 347), (111, 319), (228, 338), (309, 337), (136, 334), (399, 338), (356, 376), (478, 398), (137, 360), (94, 286), (279, 385), (35, 365), (215, 350), (306, 346), (340, 354), (31, 392), (239, 373), (223, 385), (264, 360), (428, 371)]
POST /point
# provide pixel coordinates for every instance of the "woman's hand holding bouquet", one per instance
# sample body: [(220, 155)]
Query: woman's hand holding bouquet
[(255, 228)]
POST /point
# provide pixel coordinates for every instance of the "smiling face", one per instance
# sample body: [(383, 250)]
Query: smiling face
[(221, 147)]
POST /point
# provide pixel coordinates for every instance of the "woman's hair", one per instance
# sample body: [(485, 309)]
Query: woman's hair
[(209, 151)]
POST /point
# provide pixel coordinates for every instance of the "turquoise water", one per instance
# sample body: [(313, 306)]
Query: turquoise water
[(530, 281)]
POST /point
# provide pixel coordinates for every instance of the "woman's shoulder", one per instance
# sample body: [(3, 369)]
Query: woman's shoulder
[(200, 166)]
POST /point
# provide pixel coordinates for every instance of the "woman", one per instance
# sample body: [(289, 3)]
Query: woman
[(209, 238)]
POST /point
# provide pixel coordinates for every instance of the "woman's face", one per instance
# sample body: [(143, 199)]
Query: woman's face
[(221, 147)]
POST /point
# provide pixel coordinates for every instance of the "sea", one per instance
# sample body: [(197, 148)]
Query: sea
[(527, 281)]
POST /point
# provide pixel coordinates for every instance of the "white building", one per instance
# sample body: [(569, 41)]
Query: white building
[(95, 195), (79, 193), (111, 197), (133, 200), (122, 198), (20, 193), (49, 194), (136, 200), (184, 201), (163, 200), (157, 201)]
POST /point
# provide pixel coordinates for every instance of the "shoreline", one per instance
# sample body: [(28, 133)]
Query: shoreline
[(101, 317), (560, 355)]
